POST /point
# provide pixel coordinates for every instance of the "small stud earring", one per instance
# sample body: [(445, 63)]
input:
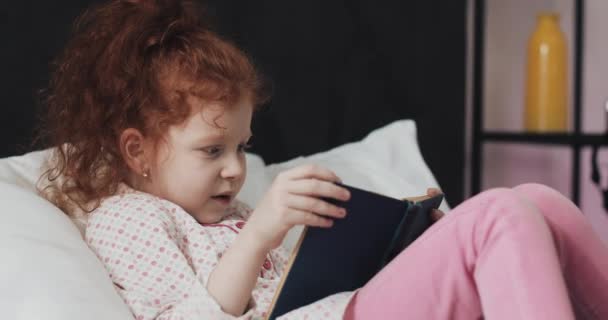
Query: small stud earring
[(145, 174)]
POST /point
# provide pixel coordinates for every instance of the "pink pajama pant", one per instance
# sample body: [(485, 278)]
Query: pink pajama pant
[(521, 253)]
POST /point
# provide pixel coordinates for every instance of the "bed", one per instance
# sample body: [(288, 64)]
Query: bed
[(375, 93)]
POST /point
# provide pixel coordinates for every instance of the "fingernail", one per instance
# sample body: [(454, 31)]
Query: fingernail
[(343, 212), (346, 195)]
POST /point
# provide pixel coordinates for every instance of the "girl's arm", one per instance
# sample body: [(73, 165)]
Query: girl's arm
[(292, 199), (235, 276)]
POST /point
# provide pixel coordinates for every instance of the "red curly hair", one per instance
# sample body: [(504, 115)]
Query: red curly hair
[(130, 64)]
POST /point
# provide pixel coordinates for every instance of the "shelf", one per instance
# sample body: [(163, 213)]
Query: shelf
[(545, 138), (576, 140)]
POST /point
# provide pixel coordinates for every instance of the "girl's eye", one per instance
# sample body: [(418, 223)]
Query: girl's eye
[(243, 147), (212, 151)]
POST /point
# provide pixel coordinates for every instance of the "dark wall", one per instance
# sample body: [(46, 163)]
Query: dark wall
[(339, 69), (32, 33)]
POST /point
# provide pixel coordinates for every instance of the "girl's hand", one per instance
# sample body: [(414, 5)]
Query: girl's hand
[(294, 199), (436, 214)]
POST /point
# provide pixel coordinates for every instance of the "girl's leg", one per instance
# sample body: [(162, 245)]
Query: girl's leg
[(583, 256), (493, 256)]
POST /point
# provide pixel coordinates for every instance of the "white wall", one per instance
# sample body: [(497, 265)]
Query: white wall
[(509, 24)]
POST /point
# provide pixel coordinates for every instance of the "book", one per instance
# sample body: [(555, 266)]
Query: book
[(346, 256)]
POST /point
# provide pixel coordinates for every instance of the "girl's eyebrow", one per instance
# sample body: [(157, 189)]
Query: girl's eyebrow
[(217, 137), (210, 138)]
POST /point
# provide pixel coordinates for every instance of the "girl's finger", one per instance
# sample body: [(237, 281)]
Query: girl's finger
[(433, 191), (310, 171), (301, 217), (314, 205), (436, 214), (318, 188), (314, 220)]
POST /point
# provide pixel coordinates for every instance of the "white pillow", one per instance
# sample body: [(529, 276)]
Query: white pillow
[(47, 271), (51, 274), (24, 170), (387, 161)]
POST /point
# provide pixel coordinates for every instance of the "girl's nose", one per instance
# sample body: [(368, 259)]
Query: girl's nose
[(234, 167)]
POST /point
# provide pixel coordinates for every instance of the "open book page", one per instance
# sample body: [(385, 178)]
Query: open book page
[(417, 198)]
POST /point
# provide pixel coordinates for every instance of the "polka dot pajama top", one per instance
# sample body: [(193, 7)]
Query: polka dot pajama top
[(159, 258)]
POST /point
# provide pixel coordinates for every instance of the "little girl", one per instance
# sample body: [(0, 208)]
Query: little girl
[(153, 113)]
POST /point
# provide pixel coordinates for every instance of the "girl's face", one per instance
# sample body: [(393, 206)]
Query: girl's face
[(201, 164)]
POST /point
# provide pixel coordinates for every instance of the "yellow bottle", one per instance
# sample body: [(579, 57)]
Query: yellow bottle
[(546, 77)]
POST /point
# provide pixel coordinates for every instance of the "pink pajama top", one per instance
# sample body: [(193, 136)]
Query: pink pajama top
[(159, 258)]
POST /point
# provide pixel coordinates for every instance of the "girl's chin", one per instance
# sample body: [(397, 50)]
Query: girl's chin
[(211, 213), (209, 219)]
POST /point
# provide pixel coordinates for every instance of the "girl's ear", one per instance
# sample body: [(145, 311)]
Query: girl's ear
[(133, 148)]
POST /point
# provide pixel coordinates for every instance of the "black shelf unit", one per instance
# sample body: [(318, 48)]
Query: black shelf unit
[(545, 138), (575, 139)]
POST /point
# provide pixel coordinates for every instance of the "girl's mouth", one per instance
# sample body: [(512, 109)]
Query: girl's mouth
[(223, 199)]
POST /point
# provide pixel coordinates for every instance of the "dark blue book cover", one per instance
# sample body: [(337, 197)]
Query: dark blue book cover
[(347, 255)]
